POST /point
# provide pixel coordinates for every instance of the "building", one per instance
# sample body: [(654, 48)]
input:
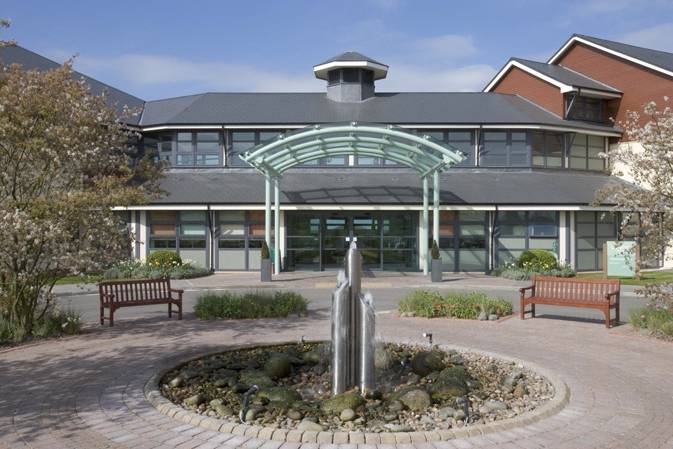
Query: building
[(352, 160)]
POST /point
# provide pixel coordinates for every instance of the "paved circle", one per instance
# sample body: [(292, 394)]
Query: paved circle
[(87, 391)]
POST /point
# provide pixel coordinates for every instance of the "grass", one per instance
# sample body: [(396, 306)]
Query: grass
[(646, 277), (457, 305), (88, 279), (236, 306)]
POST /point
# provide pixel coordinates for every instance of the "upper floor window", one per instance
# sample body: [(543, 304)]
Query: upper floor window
[(585, 152), (504, 149), (584, 108), (462, 140), (547, 149), (185, 148)]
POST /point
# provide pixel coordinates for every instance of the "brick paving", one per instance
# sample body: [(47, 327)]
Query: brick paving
[(88, 391)]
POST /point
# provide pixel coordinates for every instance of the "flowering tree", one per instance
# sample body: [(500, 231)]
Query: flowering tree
[(67, 159), (650, 166)]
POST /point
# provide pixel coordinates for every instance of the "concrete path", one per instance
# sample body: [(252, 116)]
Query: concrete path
[(87, 391)]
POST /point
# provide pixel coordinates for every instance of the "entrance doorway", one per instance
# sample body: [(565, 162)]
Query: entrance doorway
[(318, 241)]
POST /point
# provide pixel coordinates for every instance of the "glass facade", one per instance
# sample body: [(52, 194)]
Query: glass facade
[(517, 231), (239, 236), (318, 241), (592, 230), (585, 152), (585, 108), (183, 232), (504, 149), (462, 240)]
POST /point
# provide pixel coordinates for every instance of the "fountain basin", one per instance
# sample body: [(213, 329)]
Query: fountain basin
[(285, 402)]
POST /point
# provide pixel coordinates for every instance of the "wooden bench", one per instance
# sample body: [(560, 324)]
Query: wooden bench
[(601, 294), (141, 292)]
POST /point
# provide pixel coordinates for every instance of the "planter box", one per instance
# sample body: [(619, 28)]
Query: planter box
[(265, 270), (436, 270)]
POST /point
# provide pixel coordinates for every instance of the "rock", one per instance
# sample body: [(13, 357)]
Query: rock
[(512, 378), (188, 373), (223, 410), (395, 406), (493, 317), (482, 316), (254, 377), (347, 414), (278, 366), (312, 357), (281, 395), (215, 402), (294, 414), (483, 410), (494, 405), (195, 400), (383, 359), (455, 358), (310, 426), (519, 391), (451, 383), (338, 403), (453, 373), (426, 420), (446, 412), (416, 400), (425, 362), (176, 382), (389, 417), (251, 414), (459, 415)]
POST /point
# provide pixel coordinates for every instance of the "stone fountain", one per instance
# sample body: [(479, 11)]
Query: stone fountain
[(352, 329)]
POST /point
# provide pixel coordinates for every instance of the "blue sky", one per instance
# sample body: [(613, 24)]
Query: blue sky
[(157, 49)]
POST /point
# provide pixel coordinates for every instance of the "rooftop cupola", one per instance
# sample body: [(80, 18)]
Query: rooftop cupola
[(350, 76)]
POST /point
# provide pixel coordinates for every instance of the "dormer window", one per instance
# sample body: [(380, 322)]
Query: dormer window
[(584, 108)]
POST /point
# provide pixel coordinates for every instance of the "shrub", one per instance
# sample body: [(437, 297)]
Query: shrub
[(457, 305), (434, 252), (54, 323), (537, 260), (164, 259), (136, 269), (235, 306), (655, 317)]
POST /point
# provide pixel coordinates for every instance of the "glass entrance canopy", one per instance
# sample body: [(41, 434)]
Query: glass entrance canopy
[(426, 155)]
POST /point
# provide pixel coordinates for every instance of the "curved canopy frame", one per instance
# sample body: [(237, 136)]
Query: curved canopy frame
[(426, 155), (421, 153)]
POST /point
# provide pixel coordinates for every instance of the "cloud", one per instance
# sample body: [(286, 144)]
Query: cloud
[(659, 37), (451, 46), (415, 78), (152, 70)]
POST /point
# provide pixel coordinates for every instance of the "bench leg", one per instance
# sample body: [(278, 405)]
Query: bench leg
[(606, 312), (170, 310), (532, 310), (112, 316), (522, 309), (617, 314), (180, 310), (102, 315)]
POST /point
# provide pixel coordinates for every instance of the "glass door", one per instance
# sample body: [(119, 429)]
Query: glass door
[(368, 232), (336, 238)]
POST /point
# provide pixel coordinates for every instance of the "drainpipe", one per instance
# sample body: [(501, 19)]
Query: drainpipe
[(211, 231)]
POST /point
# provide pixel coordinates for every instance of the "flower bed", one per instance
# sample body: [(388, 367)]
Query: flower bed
[(235, 306), (469, 306)]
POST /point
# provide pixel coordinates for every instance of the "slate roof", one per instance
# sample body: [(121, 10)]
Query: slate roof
[(351, 56), (659, 58), (29, 60), (395, 108), (566, 76), (389, 186)]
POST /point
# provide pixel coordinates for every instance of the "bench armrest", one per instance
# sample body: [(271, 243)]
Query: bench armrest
[(110, 297), (179, 291), (611, 294), (522, 290)]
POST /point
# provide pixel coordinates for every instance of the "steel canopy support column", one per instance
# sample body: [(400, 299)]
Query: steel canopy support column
[(267, 211), (435, 206), (276, 226), (426, 233)]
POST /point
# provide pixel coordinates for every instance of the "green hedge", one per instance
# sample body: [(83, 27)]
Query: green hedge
[(457, 305), (164, 259), (236, 306), (537, 260), (136, 269)]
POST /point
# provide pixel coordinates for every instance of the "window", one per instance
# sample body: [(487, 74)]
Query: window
[(159, 147), (462, 141), (333, 77), (240, 239), (208, 148), (351, 75), (163, 226), (584, 108), (517, 231), (242, 141), (504, 149), (593, 229), (462, 240), (185, 150), (547, 149), (367, 77), (584, 152)]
